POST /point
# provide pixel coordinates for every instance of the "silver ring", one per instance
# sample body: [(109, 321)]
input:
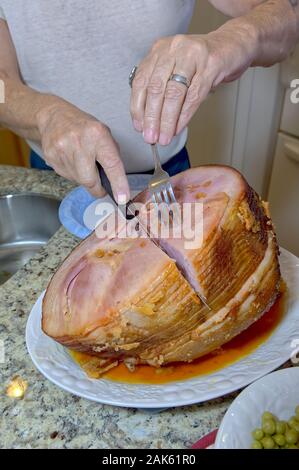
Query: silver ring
[(180, 79), (132, 75)]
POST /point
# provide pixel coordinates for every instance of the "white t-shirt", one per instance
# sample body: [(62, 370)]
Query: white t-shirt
[(83, 51)]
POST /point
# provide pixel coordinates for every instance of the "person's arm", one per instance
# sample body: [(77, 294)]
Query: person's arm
[(264, 35), (72, 140), (274, 23)]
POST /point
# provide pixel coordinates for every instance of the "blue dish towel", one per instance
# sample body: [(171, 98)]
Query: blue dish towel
[(71, 211)]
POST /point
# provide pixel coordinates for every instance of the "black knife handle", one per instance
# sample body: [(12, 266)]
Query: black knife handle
[(105, 181), (107, 186)]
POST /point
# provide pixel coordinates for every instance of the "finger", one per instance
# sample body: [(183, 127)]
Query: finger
[(175, 95), (87, 173), (196, 94), (174, 98), (108, 156), (154, 100), (138, 94)]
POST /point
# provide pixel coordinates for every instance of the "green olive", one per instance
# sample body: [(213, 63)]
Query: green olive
[(257, 434), (269, 427), (268, 442), (293, 423), (281, 427), (275, 433), (279, 439), (291, 436), (296, 427), (267, 415), (256, 445)]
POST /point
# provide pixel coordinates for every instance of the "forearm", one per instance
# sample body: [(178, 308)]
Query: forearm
[(268, 32), (22, 107)]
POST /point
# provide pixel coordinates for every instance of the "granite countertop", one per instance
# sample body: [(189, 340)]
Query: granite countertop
[(48, 417)]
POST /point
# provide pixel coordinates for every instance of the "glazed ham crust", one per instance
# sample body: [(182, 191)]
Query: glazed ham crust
[(127, 300)]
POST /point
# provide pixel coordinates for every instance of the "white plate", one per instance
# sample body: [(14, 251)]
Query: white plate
[(277, 392), (56, 364)]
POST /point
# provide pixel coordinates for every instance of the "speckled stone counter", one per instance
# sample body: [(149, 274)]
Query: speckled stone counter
[(48, 417)]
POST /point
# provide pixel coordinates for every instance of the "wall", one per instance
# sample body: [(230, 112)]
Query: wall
[(211, 129), (13, 150)]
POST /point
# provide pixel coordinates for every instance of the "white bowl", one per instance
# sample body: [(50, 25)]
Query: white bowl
[(277, 392)]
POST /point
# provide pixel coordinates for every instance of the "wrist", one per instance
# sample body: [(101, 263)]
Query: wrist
[(253, 34), (250, 29), (234, 47), (48, 106)]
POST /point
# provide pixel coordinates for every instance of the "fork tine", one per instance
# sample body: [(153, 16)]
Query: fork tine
[(156, 203), (171, 193), (159, 197), (165, 194), (156, 198), (175, 210), (163, 210)]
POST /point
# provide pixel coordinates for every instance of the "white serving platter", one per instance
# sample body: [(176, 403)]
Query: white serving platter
[(55, 363)]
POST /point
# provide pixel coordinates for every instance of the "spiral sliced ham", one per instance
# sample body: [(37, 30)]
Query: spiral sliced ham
[(128, 300)]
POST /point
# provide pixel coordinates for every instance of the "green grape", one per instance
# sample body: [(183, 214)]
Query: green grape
[(269, 427), (279, 439), (268, 442), (256, 445), (275, 433), (267, 415), (257, 434), (293, 423), (291, 436), (281, 427)]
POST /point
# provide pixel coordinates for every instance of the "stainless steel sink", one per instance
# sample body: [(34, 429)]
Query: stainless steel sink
[(27, 221)]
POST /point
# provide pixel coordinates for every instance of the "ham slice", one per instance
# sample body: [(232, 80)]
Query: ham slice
[(128, 300)]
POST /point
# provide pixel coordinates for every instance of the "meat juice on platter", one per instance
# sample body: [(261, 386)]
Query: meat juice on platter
[(131, 304), (236, 349)]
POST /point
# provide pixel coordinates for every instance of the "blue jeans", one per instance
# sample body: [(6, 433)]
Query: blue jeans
[(176, 164)]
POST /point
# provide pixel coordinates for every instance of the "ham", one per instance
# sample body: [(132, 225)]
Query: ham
[(127, 299)]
